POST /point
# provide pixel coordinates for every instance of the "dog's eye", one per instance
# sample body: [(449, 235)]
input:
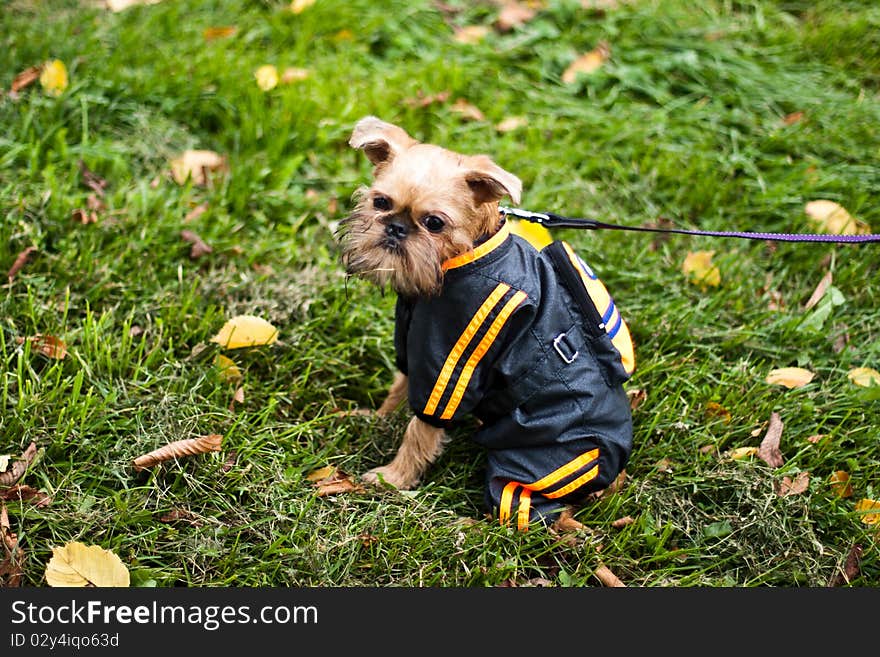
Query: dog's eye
[(382, 203), (433, 223)]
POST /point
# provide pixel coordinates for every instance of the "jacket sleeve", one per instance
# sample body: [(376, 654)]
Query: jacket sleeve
[(451, 362)]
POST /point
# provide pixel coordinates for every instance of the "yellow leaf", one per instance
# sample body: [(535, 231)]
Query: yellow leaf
[(535, 234), (864, 376), (211, 33), (739, 453), (245, 331), (196, 164), (471, 34), (790, 377), (54, 77), (292, 74), (299, 6), (467, 110), (267, 77), (870, 510), (229, 371), (840, 484), (833, 218), (77, 564), (321, 473), (587, 63), (699, 269), (511, 123)]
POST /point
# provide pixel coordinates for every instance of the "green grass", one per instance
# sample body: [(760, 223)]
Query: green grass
[(685, 121)]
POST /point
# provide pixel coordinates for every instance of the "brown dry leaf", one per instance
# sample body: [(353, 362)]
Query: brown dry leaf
[(230, 461), (513, 14), (179, 449), (714, 409), (196, 165), (790, 377), (604, 575), (84, 217), (336, 482), (739, 453), (199, 246), (176, 515), (819, 292), (12, 563), (26, 78), (467, 111), (22, 493), (420, 100), (792, 118), (77, 564), (796, 486), (852, 568), (831, 217), (511, 123), (119, 5), (869, 511), (840, 483), (769, 449), (471, 34), (219, 32), (815, 438), (587, 63), (48, 345), (245, 331), (19, 466), (623, 522), (20, 261), (293, 74), (237, 398), (698, 267), (864, 376), (636, 397), (196, 212), (92, 180)]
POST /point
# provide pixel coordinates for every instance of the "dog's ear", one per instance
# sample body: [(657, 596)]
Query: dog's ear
[(379, 140), (489, 182)]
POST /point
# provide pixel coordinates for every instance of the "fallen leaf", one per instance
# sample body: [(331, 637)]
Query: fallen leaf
[(815, 438), (769, 448), (19, 262), (22, 493), (119, 5), (739, 453), (790, 377), (12, 564), (77, 564), (220, 32), (336, 482), (819, 291), (851, 568), (796, 486), (869, 511), (513, 14), (343, 35), (636, 397), (421, 101), (864, 376), (199, 246), (196, 165), (229, 463), (237, 398), (178, 449), (48, 345), (84, 217), (245, 331), (14, 472), (831, 217), (92, 180), (292, 74), (792, 118), (467, 111), (511, 123), (587, 63), (53, 77), (623, 522), (471, 34), (698, 267), (714, 409), (604, 575), (229, 371), (4, 462), (176, 515), (196, 212), (320, 473), (299, 6), (267, 77), (840, 483), (26, 78)]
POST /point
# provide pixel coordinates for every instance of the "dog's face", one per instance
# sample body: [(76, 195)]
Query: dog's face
[(426, 205)]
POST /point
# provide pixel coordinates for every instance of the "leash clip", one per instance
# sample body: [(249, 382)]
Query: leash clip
[(536, 217)]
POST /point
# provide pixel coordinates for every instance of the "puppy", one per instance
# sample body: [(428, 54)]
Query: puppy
[(527, 341)]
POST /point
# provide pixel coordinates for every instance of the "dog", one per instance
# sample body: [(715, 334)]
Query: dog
[(527, 341)]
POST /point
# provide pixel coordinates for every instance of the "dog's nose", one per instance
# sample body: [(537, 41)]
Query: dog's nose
[(395, 230)]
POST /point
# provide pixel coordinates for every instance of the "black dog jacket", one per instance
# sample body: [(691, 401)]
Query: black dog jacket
[(531, 343)]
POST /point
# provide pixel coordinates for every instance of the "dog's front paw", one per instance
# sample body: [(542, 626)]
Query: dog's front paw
[(391, 477)]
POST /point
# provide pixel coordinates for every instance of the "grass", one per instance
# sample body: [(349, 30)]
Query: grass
[(685, 121)]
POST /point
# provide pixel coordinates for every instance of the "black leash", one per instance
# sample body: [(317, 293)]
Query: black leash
[(550, 220)]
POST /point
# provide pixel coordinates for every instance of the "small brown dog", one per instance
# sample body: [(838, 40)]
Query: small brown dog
[(527, 341)]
